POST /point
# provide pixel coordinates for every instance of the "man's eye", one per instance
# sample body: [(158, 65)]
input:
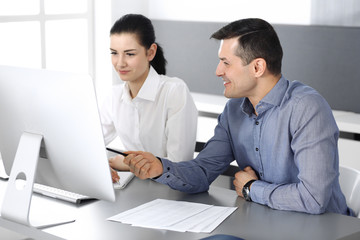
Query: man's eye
[(113, 53)]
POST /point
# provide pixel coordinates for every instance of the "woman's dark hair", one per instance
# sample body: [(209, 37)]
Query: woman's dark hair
[(144, 30), (257, 39)]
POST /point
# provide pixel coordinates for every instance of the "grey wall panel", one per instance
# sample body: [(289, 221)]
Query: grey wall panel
[(326, 58), (191, 55)]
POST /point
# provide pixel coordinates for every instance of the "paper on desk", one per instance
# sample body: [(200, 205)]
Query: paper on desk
[(175, 215)]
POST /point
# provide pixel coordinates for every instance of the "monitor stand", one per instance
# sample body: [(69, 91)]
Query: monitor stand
[(17, 198)]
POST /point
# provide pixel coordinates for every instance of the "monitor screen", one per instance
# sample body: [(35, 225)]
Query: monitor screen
[(53, 114)]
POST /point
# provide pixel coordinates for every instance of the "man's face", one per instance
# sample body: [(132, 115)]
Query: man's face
[(238, 78)]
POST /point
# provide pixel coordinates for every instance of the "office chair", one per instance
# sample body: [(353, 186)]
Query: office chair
[(350, 186)]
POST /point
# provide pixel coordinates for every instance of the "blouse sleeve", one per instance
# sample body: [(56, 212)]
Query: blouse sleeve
[(108, 128), (181, 125)]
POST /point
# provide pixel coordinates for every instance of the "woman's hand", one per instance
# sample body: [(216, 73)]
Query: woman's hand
[(117, 163)]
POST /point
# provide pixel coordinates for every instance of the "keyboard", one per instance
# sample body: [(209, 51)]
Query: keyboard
[(125, 178), (59, 193)]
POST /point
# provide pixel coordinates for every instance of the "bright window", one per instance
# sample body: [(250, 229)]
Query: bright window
[(67, 45), (65, 6), (53, 34), (19, 7), (20, 44)]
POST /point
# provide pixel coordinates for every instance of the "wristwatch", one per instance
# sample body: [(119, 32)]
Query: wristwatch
[(246, 190)]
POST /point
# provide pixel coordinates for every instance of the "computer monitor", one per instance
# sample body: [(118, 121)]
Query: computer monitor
[(50, 133)]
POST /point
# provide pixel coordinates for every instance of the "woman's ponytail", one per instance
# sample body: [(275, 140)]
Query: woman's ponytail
[(159, 61)]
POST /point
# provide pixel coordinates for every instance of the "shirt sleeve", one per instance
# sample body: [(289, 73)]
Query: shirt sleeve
[(181, 124), (108, 128), (196, 175), (314, 145)]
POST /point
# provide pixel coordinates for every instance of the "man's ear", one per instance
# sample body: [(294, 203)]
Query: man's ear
[(259, 66), (151, 52)]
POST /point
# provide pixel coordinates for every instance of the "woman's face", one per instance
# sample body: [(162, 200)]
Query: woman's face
[(129, 58)]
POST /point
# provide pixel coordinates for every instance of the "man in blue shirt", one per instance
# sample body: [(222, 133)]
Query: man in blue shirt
[(282, 134)]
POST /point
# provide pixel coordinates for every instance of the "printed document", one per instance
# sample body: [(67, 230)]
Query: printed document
[(175, 215)]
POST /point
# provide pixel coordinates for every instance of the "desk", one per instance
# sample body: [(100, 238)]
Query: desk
[(249, 221)]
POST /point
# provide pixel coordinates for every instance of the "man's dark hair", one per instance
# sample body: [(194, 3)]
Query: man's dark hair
[(257, 39)]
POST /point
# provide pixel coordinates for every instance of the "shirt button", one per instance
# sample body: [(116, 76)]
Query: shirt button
[(167, 176), (168, 168), (257, 122), (257, 149)]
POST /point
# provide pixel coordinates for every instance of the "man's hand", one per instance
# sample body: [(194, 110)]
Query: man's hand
[(143, 164), (242, 177)]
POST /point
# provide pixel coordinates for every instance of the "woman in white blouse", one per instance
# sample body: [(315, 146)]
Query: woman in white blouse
[(150, 111)]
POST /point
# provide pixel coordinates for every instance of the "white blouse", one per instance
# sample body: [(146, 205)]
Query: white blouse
[(161, 119)]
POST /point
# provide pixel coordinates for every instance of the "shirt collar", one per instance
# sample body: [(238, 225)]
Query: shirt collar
[(277, 93), (273, 98), (148, 90)]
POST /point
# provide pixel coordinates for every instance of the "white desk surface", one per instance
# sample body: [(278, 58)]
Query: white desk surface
[(7, 234), (347, 121), (249, 221), (209, 102)]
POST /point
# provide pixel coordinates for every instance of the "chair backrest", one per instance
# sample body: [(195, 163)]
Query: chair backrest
[(350, 186)]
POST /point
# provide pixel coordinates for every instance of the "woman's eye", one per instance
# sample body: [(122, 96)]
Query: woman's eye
[(113, 53), (130, 54)]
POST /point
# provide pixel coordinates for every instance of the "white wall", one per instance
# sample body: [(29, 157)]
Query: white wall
[(122, 7), (275, 11), (303, 12), (335, 12)]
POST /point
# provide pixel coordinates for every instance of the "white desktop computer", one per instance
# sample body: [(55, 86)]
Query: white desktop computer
[(50, 133)]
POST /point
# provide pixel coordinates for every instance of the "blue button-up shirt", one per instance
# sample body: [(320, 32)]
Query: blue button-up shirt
[(291, 144)]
